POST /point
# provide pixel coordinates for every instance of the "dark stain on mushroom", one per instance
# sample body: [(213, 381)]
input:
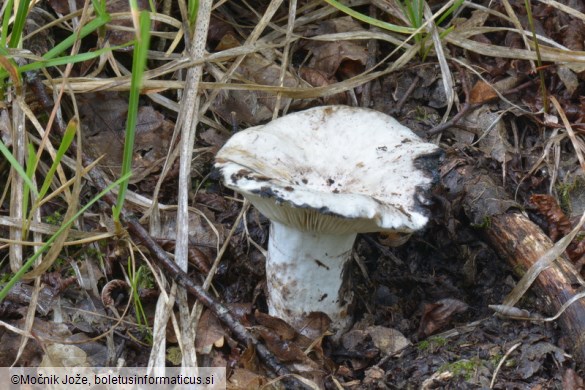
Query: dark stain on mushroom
[(320, 264), (239, 174), (382, 148), (330, 181), (266, 192), (429, 164), (289, 189), (322, 297), (305, 181)]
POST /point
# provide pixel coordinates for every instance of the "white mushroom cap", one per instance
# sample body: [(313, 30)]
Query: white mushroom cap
[(333, 169)]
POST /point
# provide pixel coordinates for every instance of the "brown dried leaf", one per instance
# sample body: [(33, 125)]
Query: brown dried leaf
[(533, 356), (218, 31), (201, 234), (559, 224), (314, 325), (285, 350), (389, 341), (572, 381), (248, 359), (103, 118), (344, 58), (196, 257), (32, 354), (278, 326), (318, 78), (213, 138), (482, 93), (491, 132), (437, 315), (253, 107), (246, 379), (574, 35), (209, 333)]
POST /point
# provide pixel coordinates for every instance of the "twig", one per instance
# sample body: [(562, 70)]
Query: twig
[(502, 360)]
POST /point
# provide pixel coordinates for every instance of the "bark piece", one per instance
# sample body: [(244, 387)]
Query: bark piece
[(520, 242)]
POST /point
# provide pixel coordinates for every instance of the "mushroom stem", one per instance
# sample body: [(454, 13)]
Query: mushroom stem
[(307, 272)]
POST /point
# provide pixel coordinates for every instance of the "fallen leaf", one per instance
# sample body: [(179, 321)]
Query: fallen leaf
[(389, 341), (572, 381), (246, 379), (533, 356), (437, 315), (346, 58), (482, 93), (209, 333)]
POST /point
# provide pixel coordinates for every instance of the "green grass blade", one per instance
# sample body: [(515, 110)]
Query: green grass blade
[(366, 19), (138, 65), (69, 59), (5, 23), (25, 267), (449, 12), (192, 9), (17, 167), (99, 7), (18, 25), (31, 164), (68, 137), (64, 45), (70, 40)]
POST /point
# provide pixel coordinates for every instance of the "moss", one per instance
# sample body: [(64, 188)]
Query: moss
[(54, 219), (432, 344), (564, 190), (485, 223), (464, 368)]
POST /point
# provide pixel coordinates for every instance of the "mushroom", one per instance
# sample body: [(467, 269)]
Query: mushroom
[(321, 176)]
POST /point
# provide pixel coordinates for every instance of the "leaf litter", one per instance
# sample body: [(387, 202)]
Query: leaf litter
[(406, 295)]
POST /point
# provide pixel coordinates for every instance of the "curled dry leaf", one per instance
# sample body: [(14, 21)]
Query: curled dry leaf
[(196, 257), (559, 224), (115, 292), (344, 58), (437, 315)]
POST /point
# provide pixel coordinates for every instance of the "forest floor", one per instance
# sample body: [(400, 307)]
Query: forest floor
[(473, 83)]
